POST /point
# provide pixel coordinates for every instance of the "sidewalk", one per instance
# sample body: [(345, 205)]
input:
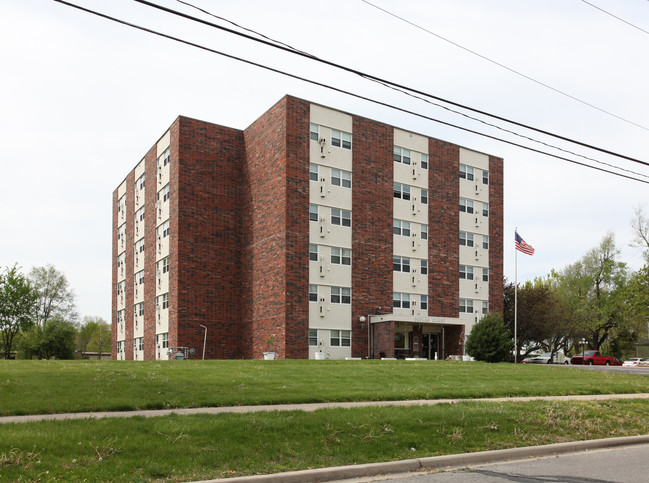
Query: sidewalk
[(151, 413)]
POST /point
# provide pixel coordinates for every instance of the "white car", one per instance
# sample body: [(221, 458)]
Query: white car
[(633, 361)]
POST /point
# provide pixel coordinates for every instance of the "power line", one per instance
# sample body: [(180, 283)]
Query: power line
[(358, 96), (386, 82), (525, 76), (614, 16)]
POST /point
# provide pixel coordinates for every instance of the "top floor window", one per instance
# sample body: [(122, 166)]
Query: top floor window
[(140, 182), (341, 139), (401, 155), (466, 172), (485, 177)]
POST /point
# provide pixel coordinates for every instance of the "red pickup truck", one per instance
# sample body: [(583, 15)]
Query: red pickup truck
[(592, 358)]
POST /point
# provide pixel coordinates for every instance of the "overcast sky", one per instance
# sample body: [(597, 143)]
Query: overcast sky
[(82, 99)]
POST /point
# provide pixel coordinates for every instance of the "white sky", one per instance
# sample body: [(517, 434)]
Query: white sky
[(82, 99)]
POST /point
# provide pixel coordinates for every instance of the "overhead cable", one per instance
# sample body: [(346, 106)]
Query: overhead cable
[(614, 16), (342, 91)]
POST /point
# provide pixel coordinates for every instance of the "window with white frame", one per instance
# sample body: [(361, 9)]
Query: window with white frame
[(120, 317), (120, 260), (401, 227), (140, 343), (423, 302), (423, 161), (163, 230), (400, 300), (121, 204), (466, 206), (401, 155), (165, 301), (313, 172), (485, 274), (466, 306), (424, 196), (340, 177), (340, 338), (120, 346), (139, 246), (423, 232), (341, 139), (485, 307), (313, 212), (140, 182), (485, 177), (466, 172), (313, 337), (314, 132), (341, 217), (139, 309), (401, 191), (165, 194), (485, 210), (163, 265), (341, 256), (139, 277), (139, 215), (485, 242), (466, 272), (313, 293), (341, 295), (423, 267), (313, 252), (163, 340), (120, 288), (400, 264), (466, 239)]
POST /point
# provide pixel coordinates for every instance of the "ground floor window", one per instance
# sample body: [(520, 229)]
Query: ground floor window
[(313, 337), (341, 338)]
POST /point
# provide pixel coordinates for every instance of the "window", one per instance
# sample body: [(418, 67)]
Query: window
[(165, 194), (140, 309), (313, 293), (466, 239), (341, 177), (401, 155), (485, 307), (424, 196), (424, 232), (401, 191), (341, 256), (423, 161), (485, 242), (313, 337), (341, 295), (164, 340), (341, 338), (401, 264), (423, 302), (466, 206), (400, 300), (313, 252), (485, 177), (485, 274), (401, 227), (466, 172), (485, 209), (139, 277), (313, 172), (424, 267), (166, 157), (140, 341), (313, 212), (314, 132), (163, 230), (165, 301), (164, 265), (120, 346), (139, 246), (341, 139), (466, 306), (466, 272), (119, 288), (140, 182), (341, 217), (139, 215)]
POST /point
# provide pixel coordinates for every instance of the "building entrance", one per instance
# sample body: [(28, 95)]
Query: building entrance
[(430, 346)]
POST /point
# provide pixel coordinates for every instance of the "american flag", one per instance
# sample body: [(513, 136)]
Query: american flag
[(521, 246)]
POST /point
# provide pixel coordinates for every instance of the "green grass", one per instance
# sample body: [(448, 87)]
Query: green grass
[(40, 387), (181, 448)]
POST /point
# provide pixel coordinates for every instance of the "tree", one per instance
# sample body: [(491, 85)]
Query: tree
[(94, 335), (56, 338), (17, 303), (55, 295), (640, 226), (489, 340), (593, 288)]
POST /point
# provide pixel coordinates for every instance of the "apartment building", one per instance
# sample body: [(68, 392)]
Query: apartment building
[(313, 233)]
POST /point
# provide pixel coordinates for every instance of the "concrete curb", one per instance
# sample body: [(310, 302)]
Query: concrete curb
[(302, 407), (447, 462)]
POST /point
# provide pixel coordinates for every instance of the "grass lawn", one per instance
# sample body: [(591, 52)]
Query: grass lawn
[(181, 448), (39, 387)]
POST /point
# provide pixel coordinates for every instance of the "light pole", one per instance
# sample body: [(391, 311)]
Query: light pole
[(583, 347), (204, 340)]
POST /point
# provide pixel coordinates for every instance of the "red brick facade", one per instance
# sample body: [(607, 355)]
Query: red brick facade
[(239, 239)]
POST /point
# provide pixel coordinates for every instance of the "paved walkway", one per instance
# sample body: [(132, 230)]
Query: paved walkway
[(302, 407)]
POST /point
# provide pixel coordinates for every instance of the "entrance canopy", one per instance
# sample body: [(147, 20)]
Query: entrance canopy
[(416, 319)]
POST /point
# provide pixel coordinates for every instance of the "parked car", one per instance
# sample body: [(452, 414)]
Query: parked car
[(616, 362), (545, 359), (594, 357), (633, 361)]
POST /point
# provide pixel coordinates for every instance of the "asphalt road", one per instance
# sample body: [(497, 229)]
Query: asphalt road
[(619, 465), (627, 370)]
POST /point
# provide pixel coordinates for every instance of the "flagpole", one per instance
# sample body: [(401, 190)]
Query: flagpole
[(515, 300)]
